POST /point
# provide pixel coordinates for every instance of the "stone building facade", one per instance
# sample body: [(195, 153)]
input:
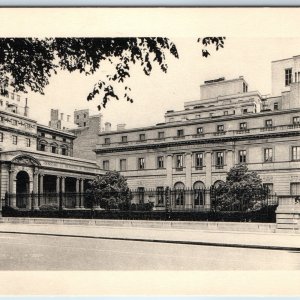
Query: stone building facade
[(230, 124), (37, 159)]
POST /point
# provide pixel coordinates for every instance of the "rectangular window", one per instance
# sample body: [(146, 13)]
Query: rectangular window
[(296, 153), (161, 135), (219, 159), (199, 130), (199, 160), (107, 141), (242, 156), (288, 77), (245, 110), (220, 128), (268, 155), (122, 164), (160, 162), (269, 123), (42, 134), (276, 106), (63, 151), (160, 195), (106, 165), (53, 149), (243, 126), (296, 120), (28, 142), (295, 188), (179, 161), (141, 163), (180, 132), (1, 136), (142, 137), (14, 139), (42, 147), (269, 187), (124, 139), (18, 97), (141, 194)]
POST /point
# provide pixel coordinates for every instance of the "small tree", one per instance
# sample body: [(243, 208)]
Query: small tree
[(243, 190), (110, 191)]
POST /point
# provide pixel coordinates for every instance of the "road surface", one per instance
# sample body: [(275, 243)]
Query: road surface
[(34, 252)]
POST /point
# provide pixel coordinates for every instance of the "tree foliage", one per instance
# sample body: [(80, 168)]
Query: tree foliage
[(243, 190), (109, 191), (30, 62)]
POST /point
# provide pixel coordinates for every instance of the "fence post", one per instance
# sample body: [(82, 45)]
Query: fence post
[(167, 195)]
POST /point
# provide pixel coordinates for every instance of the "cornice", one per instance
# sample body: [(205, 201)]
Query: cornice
[(17, 131)]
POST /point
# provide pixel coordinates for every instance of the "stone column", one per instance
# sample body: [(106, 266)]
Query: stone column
[(41, 189), (169, 169), (188, 180), (208, 183), (35, 189), (58, 188), (77, 194), (12, 187), (82, 193), (229, 159), (63, 190)]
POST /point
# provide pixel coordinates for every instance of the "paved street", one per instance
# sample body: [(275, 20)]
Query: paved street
[(34, 252)]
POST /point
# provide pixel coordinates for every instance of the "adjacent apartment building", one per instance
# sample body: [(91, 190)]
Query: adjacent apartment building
[(230, 124)]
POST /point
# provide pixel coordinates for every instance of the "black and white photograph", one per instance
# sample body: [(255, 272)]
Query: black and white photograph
[(149, 143)]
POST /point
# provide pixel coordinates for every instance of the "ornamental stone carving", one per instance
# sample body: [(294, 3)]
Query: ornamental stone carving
[(25, 160)]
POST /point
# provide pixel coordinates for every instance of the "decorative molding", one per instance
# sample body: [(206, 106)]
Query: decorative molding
[(25, 160)]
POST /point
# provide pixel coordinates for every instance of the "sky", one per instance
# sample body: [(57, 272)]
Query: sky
[(155, 94)]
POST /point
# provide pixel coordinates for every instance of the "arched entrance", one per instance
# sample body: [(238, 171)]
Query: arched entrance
[(199, 193), (22, 189), (179, 193)]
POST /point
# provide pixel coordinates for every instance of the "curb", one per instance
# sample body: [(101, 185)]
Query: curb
[(215, 244)]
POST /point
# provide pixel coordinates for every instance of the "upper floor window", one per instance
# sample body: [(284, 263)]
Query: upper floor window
[(276, 107), (199, 160), (269, 123), (77, 117), (14, 122), (123, 164), (1, 136), (64, 151), (107, 141), (106, 165), (42, 134), (180, 132), (160, 162), (142, 136), (220, 159), (53, 137), (220, 128), (179, 161), (243, 126), (288, 76), (225, 112), (161, 134), (124, 139), (84, 124), (18, 97), (53, 149), (245, 87), (84, 115), (268, 154), (42, 147), (14, 139), (296, 120), (64, 139), (245, 110), (199, 130), (28, 142), (295, 153), (242, 156), (141, 163)]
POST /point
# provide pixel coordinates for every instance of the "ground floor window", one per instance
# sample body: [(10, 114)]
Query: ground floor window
[(160, 195), (141, 194), (269, 187)]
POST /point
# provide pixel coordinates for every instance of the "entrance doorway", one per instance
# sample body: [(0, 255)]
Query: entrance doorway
[(22, 189)]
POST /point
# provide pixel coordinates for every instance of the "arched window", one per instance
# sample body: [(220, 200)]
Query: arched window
[(199, 193), (42, 145), (179, 193), (54, 147), (64, 149)]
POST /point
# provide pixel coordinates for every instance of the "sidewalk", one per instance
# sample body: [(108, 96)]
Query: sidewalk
[(259, 240)]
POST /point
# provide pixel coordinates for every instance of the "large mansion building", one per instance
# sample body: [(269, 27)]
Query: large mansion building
[(230, 124)]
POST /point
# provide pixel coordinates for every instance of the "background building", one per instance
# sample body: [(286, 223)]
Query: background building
[(230, 124)]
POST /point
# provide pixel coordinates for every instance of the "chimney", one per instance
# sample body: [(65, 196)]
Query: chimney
[(121, 127), (61, 116), (26, 108), (107, 126), (68, 118)]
